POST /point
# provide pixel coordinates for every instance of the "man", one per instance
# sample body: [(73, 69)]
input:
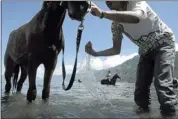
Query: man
[(156, 44), (108, 76)]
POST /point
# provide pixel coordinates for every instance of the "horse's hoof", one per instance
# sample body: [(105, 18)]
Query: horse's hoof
[(7, 88), (29, 101), (19, 88), (6, 93), (18, 92), (31, 95), (45, 95), (45, 100)]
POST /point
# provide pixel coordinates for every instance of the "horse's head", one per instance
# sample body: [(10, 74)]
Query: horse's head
[(51, 5), (76, 9)]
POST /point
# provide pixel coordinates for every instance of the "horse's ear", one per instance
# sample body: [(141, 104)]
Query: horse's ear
[(45, 4), (64, 4)]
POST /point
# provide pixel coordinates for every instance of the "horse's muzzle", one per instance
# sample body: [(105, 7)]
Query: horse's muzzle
[(78, 10)]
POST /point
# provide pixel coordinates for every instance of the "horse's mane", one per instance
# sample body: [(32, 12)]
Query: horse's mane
[(116, 76), (39, 16), (42, 16)]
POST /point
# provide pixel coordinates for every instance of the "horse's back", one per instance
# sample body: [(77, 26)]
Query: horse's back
[(31, 32), (18, 38), (16, 45)]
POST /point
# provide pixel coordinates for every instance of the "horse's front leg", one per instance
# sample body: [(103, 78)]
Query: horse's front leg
[(49, 69), (32, 70)]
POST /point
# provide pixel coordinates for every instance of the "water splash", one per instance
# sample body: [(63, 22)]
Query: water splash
[(88, 78)]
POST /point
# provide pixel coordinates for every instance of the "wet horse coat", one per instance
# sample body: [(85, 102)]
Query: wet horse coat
[(36, 42)]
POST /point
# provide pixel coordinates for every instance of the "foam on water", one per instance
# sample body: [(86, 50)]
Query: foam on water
[(88, 78)]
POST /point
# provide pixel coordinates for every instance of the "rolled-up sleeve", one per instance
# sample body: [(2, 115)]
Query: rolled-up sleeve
[(141, 5), (116, 29)]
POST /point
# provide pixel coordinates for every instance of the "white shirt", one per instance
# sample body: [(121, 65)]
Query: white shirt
[(149, 32)]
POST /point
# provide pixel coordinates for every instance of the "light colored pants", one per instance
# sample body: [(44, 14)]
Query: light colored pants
[(159, 64)]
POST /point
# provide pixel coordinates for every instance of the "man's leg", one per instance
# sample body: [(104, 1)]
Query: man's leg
[(163, 72), (144, 80)]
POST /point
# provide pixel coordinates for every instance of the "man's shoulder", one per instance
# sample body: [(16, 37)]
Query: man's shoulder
[(115, 24), (116, 27), (134, 2), (138, 5)]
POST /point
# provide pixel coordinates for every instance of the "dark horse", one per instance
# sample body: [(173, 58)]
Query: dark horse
[(38, 42), (112, 82)]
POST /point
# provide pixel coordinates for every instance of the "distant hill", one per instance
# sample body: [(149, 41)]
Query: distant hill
[(127, 70)]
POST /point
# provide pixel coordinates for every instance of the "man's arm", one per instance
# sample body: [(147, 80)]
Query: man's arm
[(115, 50), (108, 52), (124, 16), (139, 12), (117, 41)]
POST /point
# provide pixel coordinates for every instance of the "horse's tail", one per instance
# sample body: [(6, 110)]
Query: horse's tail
[(8, 47), (16, 73)]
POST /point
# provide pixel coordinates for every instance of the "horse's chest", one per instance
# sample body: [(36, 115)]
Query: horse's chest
[(53, 49), (42, 44)]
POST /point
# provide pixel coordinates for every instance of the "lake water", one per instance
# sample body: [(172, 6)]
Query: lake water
[(88, 99)]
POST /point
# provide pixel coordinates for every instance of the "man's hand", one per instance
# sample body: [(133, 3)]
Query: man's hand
[(95, 10), (89, 49)]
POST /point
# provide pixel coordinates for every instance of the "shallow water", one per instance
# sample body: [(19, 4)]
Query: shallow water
[(82, 101)]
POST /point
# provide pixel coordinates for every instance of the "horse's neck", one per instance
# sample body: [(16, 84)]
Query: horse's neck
[(54, 30), (38, 23), (58, 25), (38, 16), (53, 22), (115, 78)]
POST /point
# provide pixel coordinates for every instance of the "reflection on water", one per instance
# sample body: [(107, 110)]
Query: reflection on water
[(80, 101)]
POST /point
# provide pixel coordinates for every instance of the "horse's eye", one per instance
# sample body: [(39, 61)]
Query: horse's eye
[(48, 4), (81, 7), (109, 3)]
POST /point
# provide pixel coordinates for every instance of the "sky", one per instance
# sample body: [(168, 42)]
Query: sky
[(98, 31)]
